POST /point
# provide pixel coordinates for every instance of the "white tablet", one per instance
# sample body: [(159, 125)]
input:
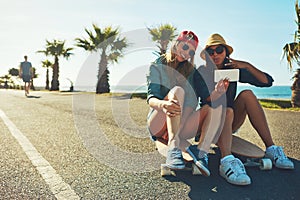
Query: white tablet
[(231, 74)]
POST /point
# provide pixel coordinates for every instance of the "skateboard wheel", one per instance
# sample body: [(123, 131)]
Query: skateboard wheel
[(195, 170), (265, 164), (165, 171)]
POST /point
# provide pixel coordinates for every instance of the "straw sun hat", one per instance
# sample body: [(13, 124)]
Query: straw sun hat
[(215, 39)]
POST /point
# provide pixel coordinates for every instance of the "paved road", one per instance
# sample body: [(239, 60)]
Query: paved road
[(82, 146)]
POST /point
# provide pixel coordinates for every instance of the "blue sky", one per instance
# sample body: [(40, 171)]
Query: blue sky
[(256, 29)]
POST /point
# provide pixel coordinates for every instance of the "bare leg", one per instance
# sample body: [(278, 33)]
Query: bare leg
[(210, 129), (247, 104), (209, 121), (159, 124), (25, 88), (191, 127), (28, 87), (173, 123), (225, 139)]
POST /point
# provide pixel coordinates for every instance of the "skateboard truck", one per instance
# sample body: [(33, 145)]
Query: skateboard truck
[(262, 163), (254, 155), (166, 171)]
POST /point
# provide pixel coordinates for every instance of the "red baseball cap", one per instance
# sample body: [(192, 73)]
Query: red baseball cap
[(190, 37)]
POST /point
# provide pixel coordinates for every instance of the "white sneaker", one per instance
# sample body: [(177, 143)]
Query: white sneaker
[(278, 158), (234, 172)]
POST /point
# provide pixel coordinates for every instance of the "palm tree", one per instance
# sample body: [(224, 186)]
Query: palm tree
[(46, 64), (108, 42), (162, 35), (14, 72), (292, 53), (34, 75), (6, 79), (56, 49)]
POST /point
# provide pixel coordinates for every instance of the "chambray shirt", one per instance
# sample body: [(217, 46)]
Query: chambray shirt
[(159, 84), (205, 76), (25, 66)]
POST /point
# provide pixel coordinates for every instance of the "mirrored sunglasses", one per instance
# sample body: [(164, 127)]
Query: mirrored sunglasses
[(218, 50), (186, 47)]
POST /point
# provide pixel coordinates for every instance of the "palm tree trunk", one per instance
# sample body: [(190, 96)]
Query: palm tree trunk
[(6, 84), (295, 100), (102, 84), (164, 45), (55, 81), (47, 79), (31, 85)]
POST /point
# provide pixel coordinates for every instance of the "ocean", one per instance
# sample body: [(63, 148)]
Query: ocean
[(274, 92)]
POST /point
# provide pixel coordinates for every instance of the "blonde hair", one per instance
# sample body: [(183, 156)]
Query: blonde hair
[(185, 70)]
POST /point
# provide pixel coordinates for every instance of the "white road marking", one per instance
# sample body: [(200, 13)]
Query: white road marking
[(59, 188)]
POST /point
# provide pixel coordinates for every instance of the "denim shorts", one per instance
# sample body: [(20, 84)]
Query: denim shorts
[(26, 78)]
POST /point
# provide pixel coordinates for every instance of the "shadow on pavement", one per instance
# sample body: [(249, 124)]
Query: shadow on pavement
[(273, 184), (32, 96)]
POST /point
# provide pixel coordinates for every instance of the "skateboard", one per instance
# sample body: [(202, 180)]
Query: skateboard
[(254, 155), (161, 146)]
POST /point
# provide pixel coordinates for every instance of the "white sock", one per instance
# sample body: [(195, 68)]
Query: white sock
[(226, 158), (202, 154)]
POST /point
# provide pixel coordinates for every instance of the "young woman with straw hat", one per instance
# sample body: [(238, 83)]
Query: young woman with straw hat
[(216, 54)]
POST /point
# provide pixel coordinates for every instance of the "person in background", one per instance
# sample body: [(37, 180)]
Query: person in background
[(216, 53), (26, 73)]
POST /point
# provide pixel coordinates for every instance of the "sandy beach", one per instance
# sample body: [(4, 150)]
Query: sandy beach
[(99, 146)]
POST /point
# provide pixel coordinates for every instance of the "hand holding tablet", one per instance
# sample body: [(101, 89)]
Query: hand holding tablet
[(231, 74)]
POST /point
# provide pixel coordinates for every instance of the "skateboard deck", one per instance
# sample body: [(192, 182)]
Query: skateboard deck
[(162, 148), (254, 155)]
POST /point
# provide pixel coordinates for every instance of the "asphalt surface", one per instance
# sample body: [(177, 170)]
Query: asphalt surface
[(99, 146)]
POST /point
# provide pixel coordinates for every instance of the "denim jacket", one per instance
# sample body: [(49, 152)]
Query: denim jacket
[(159, 84)]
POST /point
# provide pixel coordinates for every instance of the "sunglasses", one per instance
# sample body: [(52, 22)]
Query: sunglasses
[(186, 47), (218, 50)]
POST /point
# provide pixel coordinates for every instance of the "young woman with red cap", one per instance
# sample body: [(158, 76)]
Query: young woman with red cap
[(173, 102)]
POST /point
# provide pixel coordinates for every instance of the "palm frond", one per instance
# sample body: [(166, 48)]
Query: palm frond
[(162, 35), (105, 40), (56, 48), (291, 51), (47, 63)]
